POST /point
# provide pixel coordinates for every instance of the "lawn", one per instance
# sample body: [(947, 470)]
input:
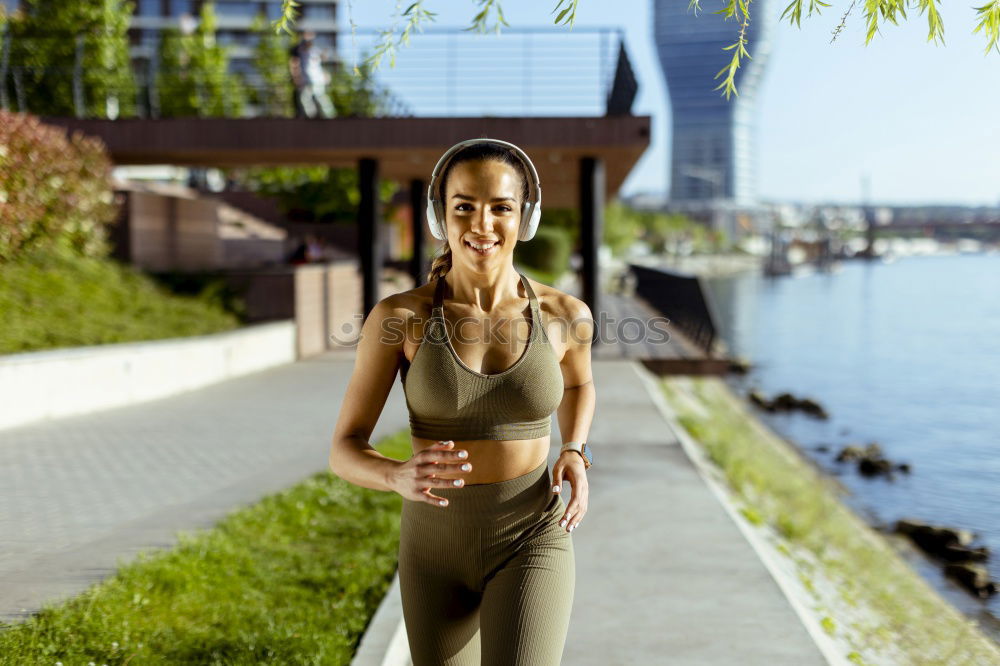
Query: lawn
[(51, 300), (292, 579)]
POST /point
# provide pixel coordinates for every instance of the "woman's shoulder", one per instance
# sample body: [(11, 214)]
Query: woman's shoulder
[(557, 303), (400, 316), (410, 303)]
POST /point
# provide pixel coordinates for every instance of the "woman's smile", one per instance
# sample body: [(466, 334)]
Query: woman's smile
[(483, 249)]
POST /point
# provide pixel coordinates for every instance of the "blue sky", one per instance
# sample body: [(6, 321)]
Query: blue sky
[(920, 120)]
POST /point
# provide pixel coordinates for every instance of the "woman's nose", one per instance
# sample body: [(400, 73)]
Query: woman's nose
[(483, 222)]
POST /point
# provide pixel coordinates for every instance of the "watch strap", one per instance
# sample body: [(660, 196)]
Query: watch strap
[(579, 447)]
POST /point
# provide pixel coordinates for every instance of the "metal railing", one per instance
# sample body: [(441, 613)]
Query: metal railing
[(522, 72), (682, 299), (441, 72)]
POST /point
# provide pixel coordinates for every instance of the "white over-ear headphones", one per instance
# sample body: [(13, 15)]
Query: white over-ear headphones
[(531, 211)]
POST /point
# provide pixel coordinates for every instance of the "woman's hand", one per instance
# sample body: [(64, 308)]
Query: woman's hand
[(570, 466), (414, 478)]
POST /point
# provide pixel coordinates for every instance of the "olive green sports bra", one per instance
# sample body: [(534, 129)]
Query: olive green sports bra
[(449, 400)]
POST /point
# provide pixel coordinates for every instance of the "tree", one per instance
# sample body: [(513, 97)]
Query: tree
[(989, 23), (193, 74), (273, 95), (315, 193), (358, 94), (57, 43)]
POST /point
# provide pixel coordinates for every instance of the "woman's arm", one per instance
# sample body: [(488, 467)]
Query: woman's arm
[(576, 411), (352, 458)]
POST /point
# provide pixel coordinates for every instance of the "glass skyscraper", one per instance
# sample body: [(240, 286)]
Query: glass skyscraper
[(713, 145)]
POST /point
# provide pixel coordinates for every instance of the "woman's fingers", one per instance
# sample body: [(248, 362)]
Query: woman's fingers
[(440, 458), (441, 467), (557, 474), (433, 499), (574, 514), (577, 507)]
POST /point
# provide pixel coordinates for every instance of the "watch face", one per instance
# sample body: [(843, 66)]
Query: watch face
[(588, 454)]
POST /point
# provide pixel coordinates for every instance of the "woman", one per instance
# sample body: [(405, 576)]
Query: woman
[(486, 563)]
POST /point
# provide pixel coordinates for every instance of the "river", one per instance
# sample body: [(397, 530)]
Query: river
[(906, 354)]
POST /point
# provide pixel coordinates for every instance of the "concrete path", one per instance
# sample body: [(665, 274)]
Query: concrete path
[(79, 492), (664, 575)]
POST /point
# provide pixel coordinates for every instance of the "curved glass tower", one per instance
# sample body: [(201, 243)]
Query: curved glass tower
[(713, 138)]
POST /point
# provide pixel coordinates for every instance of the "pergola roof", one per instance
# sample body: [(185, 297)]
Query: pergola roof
[(406, 148)]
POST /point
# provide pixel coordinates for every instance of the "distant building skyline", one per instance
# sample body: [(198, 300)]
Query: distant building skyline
[(713, 151)]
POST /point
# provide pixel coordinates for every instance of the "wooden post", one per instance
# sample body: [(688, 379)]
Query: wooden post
[(418, 202), (591, 230), (369, 236)]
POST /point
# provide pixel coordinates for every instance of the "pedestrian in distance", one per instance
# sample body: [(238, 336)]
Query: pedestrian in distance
[(310, 79)]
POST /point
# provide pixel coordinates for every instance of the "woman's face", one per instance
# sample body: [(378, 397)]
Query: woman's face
[(482, 207)]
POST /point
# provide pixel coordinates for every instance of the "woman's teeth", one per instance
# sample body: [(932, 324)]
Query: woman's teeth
[(483, 249)]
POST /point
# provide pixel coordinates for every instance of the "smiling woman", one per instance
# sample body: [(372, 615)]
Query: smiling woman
[(471, 170), (486, 563)]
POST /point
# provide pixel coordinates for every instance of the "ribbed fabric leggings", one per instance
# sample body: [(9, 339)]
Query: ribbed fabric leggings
[(488, 579)]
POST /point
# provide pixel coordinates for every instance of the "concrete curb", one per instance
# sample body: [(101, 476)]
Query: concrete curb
[(384, 641), (716, 483)]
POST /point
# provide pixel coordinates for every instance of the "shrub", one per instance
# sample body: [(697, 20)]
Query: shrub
[(548, 251), (55, 191)]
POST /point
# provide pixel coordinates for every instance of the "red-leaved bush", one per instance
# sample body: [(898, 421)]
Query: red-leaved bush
[(55, 191)]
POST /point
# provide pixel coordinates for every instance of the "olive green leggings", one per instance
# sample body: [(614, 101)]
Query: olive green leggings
[(489, 578)]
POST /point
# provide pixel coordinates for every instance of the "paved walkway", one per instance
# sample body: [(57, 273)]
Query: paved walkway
[(664, 576), (80, 491)]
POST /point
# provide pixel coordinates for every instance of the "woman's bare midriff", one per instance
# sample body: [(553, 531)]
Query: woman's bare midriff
[(493, 460)]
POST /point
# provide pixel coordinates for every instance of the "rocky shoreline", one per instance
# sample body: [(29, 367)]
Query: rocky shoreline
[(947, 547), (851, 574)]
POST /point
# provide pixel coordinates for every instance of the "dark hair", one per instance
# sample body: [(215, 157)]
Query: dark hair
[(480, 151)]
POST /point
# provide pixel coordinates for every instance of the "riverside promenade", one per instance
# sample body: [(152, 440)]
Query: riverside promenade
[(664, 574)]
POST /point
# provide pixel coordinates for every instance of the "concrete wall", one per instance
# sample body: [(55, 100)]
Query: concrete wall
[(166, 227), (309, 309), (61, 382)]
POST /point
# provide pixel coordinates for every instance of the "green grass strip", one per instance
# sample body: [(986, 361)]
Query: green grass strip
[(292, 579), (786, 491), (53, 300)]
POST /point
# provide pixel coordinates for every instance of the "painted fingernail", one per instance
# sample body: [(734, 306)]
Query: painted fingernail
[(562, 523), (466, 467), (571, 527), (443, 502), (555, 489), (457, 482), (463, 454)]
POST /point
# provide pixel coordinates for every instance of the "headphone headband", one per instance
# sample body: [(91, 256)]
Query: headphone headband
[(530, 211)]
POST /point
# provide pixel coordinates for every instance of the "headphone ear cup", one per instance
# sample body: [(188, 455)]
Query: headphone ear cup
[(533, 213), (435, 220)]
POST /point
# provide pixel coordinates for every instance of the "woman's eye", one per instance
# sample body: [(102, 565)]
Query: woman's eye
[(504, 207)]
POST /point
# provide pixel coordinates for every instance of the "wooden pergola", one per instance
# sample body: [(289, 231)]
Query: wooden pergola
[(581, 161)]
